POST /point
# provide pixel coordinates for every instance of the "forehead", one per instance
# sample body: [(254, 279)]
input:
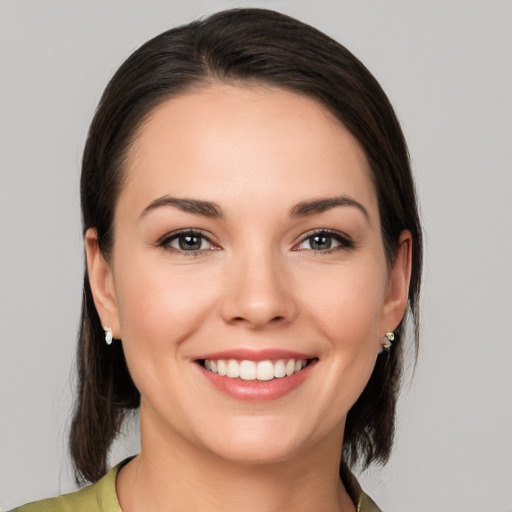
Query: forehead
[(231, 141)]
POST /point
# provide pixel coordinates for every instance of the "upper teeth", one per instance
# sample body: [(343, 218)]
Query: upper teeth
[(252, 370)]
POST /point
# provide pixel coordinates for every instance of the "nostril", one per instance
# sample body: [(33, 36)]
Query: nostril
[(274, 320), (256, 311)]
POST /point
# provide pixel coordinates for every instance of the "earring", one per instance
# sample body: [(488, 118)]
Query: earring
[(387, 341), (108, 335)]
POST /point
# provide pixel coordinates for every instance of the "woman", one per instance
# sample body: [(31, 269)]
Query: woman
[(253, 245)]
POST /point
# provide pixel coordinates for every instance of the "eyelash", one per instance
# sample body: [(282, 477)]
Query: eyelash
[(344, 242), (166, 241)]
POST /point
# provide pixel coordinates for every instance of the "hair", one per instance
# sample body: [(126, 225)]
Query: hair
[(244, 46)]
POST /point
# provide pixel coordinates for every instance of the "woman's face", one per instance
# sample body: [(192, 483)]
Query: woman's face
[(247, 240)]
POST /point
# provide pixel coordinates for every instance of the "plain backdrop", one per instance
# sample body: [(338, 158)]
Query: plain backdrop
[(447, 68)]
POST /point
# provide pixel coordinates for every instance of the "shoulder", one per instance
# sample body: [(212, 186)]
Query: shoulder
[(84, 499), (366, 504), (361, 500), (78, 500), (98, 497)]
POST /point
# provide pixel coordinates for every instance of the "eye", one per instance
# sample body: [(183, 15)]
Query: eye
[(187, 241), (325, 241)]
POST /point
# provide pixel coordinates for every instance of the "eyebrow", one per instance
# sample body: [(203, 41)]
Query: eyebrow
[(321, 205), (213, 210), (205, 208)]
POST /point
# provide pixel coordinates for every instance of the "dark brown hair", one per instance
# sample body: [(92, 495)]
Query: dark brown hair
[(243, 46)]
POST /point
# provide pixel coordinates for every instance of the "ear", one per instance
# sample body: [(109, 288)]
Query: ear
[(102, 283), (398, 284)]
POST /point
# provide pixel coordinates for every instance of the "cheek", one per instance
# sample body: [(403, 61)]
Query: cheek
[(346, 310), (157, 308), (160, 309), (347, 303), (149, 294)]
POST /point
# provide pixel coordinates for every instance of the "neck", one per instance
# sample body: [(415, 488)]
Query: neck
[(172, 474)]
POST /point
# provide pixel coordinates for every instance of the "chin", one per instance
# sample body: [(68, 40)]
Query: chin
[(260, 441), (255, 454)]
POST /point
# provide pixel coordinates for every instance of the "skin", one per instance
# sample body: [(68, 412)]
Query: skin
[(256, 283)]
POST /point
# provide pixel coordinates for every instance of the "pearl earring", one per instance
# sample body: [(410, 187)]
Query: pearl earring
[(108, 335)]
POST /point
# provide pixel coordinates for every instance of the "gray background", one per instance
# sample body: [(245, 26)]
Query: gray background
[(446, 66)]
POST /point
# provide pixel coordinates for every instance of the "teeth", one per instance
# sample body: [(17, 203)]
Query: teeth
[(290, 367), (233, 369), (248, 370), (265, 370), (252, 370), (279, 369), (222, 368)]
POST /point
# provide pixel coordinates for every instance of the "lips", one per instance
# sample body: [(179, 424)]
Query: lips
[(256, 375)]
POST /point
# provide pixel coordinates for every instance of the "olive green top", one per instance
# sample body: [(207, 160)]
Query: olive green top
[(102, 497)]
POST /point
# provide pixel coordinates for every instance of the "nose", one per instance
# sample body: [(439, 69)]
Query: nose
[(258, 293)]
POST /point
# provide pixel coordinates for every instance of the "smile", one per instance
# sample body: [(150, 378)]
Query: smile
[(248, 370), (256, 375)]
